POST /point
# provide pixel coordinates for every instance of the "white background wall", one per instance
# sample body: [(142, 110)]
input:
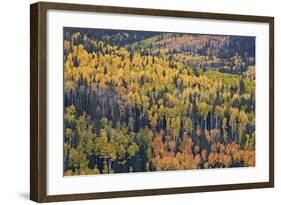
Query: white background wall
[(14, 101)]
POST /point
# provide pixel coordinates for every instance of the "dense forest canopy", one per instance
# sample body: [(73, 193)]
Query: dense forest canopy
[(137, 101)]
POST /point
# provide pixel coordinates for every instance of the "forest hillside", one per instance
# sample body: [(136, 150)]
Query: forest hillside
[(138, 101)]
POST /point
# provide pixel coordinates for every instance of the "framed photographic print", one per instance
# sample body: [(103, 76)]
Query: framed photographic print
[(134, 102)]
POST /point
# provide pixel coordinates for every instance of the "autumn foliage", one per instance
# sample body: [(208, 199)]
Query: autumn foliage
[(156, 102)]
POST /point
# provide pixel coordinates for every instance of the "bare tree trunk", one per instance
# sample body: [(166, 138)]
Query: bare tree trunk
[(216, 122), (211, 121), (201, 124), (235, 135), (109, 164), (87, 99), (231, 131)]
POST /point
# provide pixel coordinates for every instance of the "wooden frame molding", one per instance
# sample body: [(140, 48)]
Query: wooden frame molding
[(38, 96)]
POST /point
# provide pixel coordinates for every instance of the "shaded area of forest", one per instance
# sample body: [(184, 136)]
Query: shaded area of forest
[(150, 102)]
